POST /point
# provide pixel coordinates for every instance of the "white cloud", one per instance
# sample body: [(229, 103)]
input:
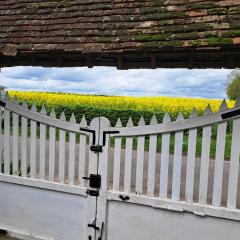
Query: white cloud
[(102, 80)]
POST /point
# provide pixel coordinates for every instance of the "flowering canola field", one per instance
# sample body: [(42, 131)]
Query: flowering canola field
[(172, 105)]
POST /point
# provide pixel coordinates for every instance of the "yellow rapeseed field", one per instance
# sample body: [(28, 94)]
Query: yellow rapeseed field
[(172, 105)]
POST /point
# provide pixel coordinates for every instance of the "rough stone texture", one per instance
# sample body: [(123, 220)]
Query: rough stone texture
[(119, 27)]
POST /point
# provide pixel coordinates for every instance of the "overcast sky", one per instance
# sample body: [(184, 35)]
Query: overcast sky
[(208, 83)]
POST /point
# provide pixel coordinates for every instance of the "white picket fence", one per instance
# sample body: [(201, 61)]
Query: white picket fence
[(43, 151)]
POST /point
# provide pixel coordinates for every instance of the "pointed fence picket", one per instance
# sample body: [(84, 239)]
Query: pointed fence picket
[(52, 148), (62, 146), (82, 153), (33, 145), (117, 159), (177, 162), (42, 168), (152, 160), (219, 160), (140, 160), (15, 140), (164, 160), (205, 157), (72, 142), (191, 155), (24, 125), (128, 160)]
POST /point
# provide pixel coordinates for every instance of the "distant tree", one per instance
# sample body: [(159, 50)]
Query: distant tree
[(233, 85)]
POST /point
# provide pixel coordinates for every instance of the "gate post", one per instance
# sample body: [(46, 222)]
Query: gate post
[(103, 171), (98, 166)]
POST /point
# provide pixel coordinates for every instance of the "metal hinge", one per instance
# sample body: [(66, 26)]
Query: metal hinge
[(94, 193), (94, 180)]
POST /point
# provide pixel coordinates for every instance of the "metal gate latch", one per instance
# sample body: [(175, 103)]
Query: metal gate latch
[(94, 180), (96, 148), (94, 226)]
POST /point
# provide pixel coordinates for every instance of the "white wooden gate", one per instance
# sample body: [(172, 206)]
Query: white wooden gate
[(97, 182)]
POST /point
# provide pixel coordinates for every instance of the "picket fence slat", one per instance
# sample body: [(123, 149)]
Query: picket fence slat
[(177, 163), (205, 157), (164, 160), (15, 143), (42, 155), (62, 142), (52, 149), (117, 159), (82, 153), (192, 140), (33, 146), (140, 160), (234, 165), (24, 146), (6, 142), (152, 160), (72, 146), (219, 164), (24, 123), (128, 160)]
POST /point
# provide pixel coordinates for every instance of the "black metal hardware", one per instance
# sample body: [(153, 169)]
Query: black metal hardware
[(94, 193), (108, 132), (124, 198), (94, 226), (94, 180), (231, 114), (96, 148), (90, 131), (100, 238), (2, 104)]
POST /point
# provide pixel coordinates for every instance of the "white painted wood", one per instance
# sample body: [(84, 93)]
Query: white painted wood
[(205, 155), (62, 145), (1, 132), (152, 160), (178, 206), (42, 155), (72, 146), (140, 160), (117, 159), (52, 148), (234, 165), (15, 140), (177, 162), (43, 184), (164, 160), (192, 137), (6, 152), (93, 169), (103, 171), (44, 119), (24, 123), (33, 146), (42, 210), (219, 160), (82, 153), (128, 160)]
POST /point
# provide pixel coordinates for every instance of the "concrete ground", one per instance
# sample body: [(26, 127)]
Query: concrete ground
[(157, 174)]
